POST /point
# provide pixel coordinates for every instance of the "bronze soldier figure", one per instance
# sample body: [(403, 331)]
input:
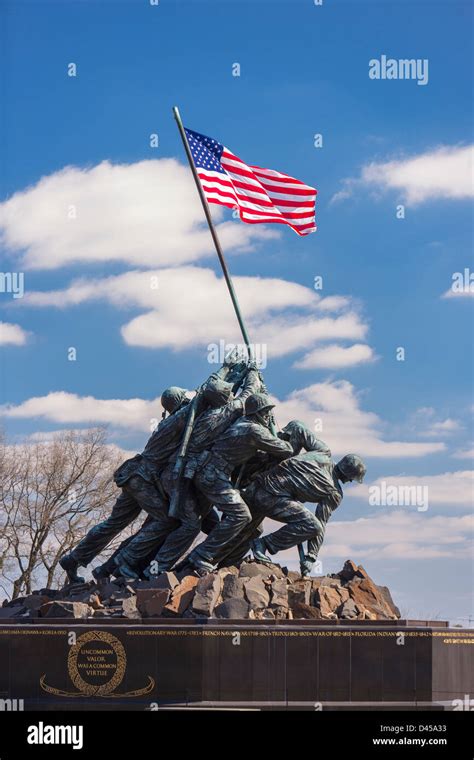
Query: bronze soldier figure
[(232, 448), (300, 437), (281, 493), (223, 411), (139, 480)]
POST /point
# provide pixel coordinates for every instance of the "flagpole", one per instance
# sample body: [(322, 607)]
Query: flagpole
[(217, 244), (230, 286)]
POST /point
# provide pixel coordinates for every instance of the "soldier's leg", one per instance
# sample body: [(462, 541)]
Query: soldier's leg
[(125, 510), (238, 549), (147, 496), (132, 557), (181, 538), (218, 489), (147, 539), (210, 521), (141, 565), (209, 516), (301, 524), (109, 567), (234, 552)]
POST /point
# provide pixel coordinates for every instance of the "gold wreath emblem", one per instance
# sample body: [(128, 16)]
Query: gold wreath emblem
[(97, 690), (109, 686)]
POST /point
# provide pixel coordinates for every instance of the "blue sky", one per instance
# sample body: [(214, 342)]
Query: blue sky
[(304, 70)]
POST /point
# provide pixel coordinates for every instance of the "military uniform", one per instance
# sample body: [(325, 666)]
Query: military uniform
[(139, 479), (137, 494), (281, 492), (300, 437), (231, 449), (207, 427)]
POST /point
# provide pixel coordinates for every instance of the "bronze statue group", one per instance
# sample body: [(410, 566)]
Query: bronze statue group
[(215, 465)]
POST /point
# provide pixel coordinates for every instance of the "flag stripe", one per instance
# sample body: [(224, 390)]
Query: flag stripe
[(246, 199), (270, 173), (280, 199), (297, 211)]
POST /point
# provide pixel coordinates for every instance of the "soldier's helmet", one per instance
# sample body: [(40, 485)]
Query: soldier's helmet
[(172, 398), (217, 391), (352, 467), (257, 403)]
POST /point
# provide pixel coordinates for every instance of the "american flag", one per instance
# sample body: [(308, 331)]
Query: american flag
[(261, 195)]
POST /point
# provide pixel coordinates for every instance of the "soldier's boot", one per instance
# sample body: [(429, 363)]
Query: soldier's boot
[(70, 565), (199, 565), (101, 573), (306, 565), (259, 549), (125, 571), (181, 565), (108, 568), (150, 573)]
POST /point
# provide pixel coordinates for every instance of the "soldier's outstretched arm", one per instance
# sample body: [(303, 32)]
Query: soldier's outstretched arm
[(266, 441), (252, 383), (233, 369), (311, 443), (301, 437), (330, 499)]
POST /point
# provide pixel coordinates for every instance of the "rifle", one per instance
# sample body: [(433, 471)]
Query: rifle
[(178, 468)]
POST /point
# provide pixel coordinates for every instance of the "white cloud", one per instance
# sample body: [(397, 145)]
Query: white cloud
[(335, 357), (333, 303), (446, 426), (69, 408), (189, 307), (343, 195), (443, 426), (147, 214), (448, 488), (444, 172), (12, 335), (346, 427), (396, 535), (463, 454), (403, 536), (462, 285), (424, 423), (466, 293)]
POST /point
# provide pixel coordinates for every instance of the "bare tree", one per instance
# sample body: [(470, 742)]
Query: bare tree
[(51, 493)]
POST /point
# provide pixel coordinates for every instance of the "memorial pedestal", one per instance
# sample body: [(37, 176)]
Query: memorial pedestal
[(302, 664)]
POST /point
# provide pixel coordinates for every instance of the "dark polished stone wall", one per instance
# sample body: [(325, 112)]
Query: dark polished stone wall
[(302, 664)]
